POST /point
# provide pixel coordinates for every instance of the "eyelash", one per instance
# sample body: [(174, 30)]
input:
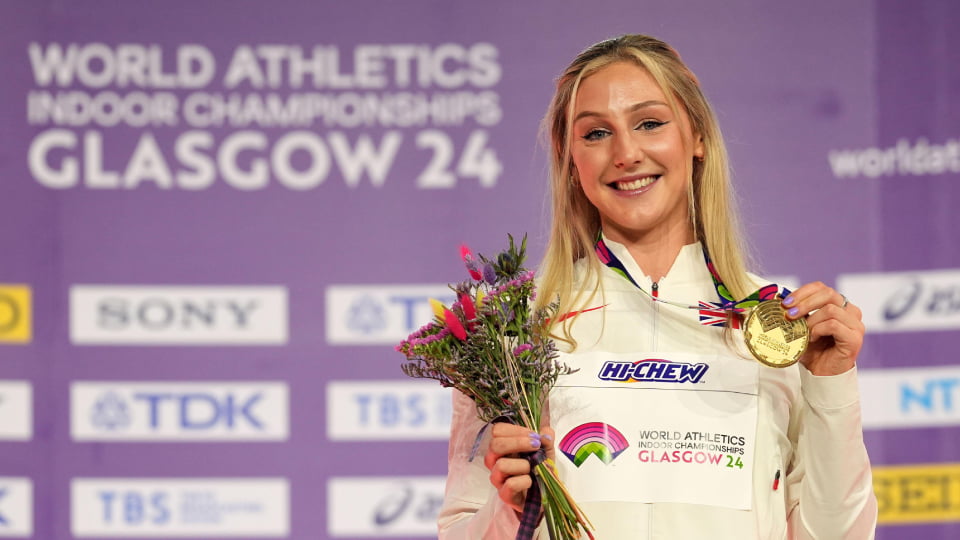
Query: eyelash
[(596, 134)]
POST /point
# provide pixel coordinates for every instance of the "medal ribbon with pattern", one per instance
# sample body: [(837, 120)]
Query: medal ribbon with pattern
[(711, 313)]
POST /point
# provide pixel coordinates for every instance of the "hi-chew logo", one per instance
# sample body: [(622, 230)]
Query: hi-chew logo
[(15, 318), (178, 315), (593, 439), (653, 370)]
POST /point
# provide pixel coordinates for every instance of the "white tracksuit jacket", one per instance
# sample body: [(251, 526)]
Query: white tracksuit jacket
[(808, 427)]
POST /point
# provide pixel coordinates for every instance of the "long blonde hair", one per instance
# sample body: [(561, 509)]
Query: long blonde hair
[(576, 221)]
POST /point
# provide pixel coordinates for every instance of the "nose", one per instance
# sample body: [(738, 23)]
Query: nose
[(627, 151)]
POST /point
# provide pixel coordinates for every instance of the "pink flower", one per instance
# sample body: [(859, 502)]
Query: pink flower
[(454, 324), (471, 263)]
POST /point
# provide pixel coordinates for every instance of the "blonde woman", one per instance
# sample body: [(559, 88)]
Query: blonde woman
[(669, 429)]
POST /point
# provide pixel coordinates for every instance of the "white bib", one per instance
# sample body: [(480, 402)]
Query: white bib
[(657, 428)]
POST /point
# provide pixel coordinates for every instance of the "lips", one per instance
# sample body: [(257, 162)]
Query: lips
[(634, 183)]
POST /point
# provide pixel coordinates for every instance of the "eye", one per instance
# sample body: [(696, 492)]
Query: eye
[(595, 134), (649, 125)]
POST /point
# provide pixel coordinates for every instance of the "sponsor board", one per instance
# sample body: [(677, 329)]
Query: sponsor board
[(388, 410), (196, 411), (179, 507), (379, 314), (178, 315), (16, 507), (15, 314), (16, 411), (918, 493), (910, 397), (905, 301), (381, 507)]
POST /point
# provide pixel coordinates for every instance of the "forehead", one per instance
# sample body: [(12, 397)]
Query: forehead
[(617, 86)]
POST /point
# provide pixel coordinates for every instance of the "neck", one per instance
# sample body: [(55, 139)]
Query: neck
[(654, 253)]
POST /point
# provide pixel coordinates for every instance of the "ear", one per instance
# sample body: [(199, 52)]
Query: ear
[(698, 147)]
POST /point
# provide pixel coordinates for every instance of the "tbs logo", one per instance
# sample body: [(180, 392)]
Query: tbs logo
[(179, 411)]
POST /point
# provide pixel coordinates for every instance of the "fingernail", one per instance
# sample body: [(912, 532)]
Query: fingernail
[(547, 437), (788, 301), (793, 312), (534, 440)]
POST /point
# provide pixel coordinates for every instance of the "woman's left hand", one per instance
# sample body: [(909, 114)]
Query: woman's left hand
[(836, 329)]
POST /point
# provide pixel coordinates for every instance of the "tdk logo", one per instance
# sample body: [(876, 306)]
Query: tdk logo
[(379, 314), (179, 411), (181, 315), (653, 370)]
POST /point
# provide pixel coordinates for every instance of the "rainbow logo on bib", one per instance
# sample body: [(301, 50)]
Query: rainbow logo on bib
[(593, 438)]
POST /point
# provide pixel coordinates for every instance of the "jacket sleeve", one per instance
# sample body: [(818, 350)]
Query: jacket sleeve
[(829, 483), (471, 508)]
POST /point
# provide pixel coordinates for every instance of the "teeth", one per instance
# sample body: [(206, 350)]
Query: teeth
[(635, 184)]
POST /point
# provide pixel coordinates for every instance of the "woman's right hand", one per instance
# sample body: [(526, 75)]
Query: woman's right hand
[(510, 473)]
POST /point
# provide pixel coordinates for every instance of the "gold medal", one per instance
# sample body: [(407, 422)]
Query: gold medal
[(773, 339)]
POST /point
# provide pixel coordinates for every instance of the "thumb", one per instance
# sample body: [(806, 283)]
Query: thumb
[(547, 436)]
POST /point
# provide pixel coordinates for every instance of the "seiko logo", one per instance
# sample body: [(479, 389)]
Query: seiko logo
[(179, 411), (178, 315)]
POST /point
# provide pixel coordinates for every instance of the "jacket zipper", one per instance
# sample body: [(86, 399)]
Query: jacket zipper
[(655, 288)]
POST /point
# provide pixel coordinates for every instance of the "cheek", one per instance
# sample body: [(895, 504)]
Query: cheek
[(587, 163)]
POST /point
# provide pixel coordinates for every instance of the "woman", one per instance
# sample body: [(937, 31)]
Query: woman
[(642, 231)]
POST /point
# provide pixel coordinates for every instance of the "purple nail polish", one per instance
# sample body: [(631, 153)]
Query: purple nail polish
[(793, 312), (547, 437), (535, 441), (788, 301)]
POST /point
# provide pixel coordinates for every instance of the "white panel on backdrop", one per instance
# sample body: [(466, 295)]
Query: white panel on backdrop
[(380, 507), (178, 315), (16, 410), (910, 398), (905, 301), (379, 314), (178, 507), (388, 410), (16, 507), (196, 411)]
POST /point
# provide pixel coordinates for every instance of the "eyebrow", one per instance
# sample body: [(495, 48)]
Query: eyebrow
[(633, 108)]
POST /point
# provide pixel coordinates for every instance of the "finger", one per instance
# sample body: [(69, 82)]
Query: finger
[(514, 491), (547, 436), (810, 297), (516, 444), (509, 440), (505, 468), (844, 327)]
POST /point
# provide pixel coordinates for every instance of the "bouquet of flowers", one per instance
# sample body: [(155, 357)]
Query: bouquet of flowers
[(492, 345)]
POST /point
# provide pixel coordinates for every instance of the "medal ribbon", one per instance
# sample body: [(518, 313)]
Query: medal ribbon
[(711, 313)]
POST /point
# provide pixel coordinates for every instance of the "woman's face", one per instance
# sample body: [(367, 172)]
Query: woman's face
[(633, 155)]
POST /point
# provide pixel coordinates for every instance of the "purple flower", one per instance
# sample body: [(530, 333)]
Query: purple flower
[(489, 274)]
